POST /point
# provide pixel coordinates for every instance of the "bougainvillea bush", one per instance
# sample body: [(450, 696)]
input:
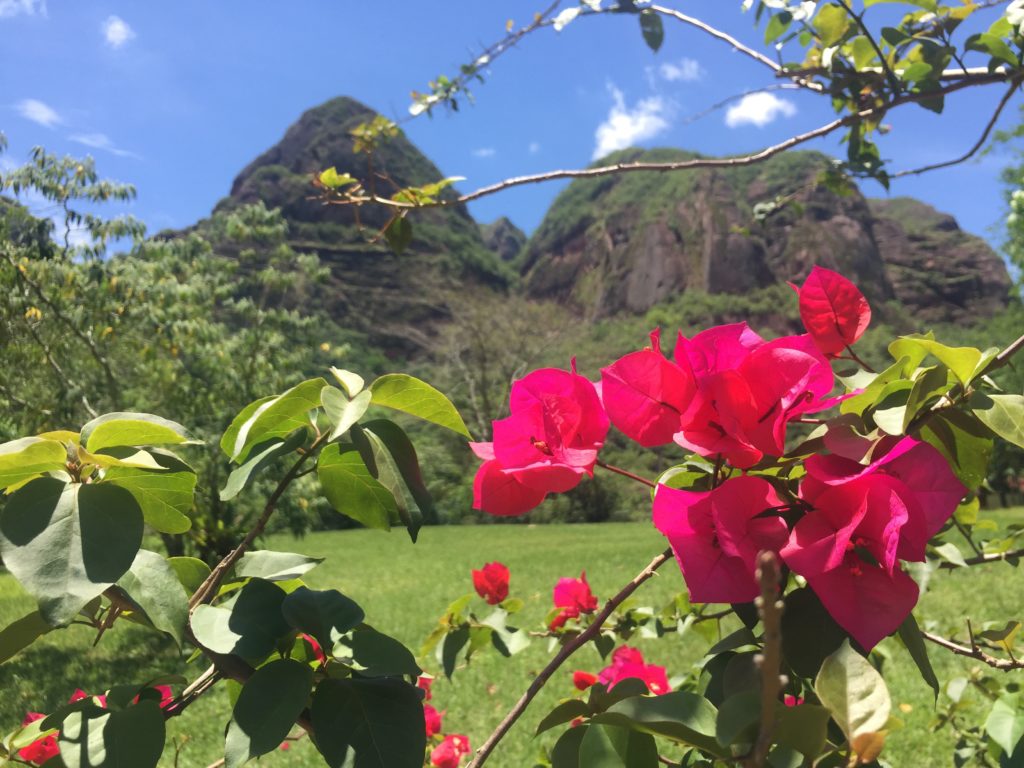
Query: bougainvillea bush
[(812, 497)]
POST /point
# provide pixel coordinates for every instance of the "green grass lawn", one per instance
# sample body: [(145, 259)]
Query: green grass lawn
[(405, 587)]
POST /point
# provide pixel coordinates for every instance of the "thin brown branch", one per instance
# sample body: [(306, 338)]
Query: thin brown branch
[(977, 145), (563, 654), (627, 473), (208, 589), (690, 164), (769, 661), (983, 559), (757, 56), (974, 652)]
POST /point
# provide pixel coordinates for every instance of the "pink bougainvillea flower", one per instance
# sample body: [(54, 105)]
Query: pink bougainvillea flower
[(432, 719), (865, 519), (448, 754), (582, 680), (423, 682), (721, 348), (792, 701), (491, 582), (717, 534), (628, 663), (314, 646), (574, 597), (547, 445), (833, 310), (100, 700), (748, 390), (646, 395), (40, 750), (924, 482)]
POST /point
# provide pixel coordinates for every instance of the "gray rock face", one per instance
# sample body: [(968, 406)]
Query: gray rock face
[(626, 243), (503, 238)]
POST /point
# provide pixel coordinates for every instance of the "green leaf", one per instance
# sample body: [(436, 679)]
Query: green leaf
[(507, 640), (276, 416), (326, 615), (965, 362), (275, 566), (66, 543), (21, 633), (451, 645), (566, 752), (994, 46), (391, 459), (831, 24), (951, 553), (260, 457), (873, 390), (566, 711), (250, 628), (191, 571), (1003, 635), (853, 692), (862, 51), (777, 26), (381, 655), (1003, 414), (352, 383), (341, 411), (680, 716), (652, 29), (98, 738), (119, 457), (333, 180), (352, 490), (1005, 723), (165, 498), (410, 395), (398, 233), (380, 720), (912, 638), (29, 457), (606, 746), (738, 718), (803, 728), (931, 383), (153, 585), (267, 708), (809, 633), (114, 430), (965, 443)]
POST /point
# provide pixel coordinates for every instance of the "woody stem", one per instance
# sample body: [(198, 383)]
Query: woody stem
[(627, 473)]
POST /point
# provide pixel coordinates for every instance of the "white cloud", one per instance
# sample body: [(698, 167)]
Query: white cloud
[(534, 147), (624, 127), (9, 8), (100, 141), (38, 112), (758, 109), (685, 70), (484, 152), (116, 31)]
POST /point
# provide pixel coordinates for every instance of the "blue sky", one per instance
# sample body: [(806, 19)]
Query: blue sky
[(178, 97)]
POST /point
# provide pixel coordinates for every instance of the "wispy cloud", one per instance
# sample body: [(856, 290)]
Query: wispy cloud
[(624, 126), (9, 8), (758, 109), (484, 152), (116, 31), (100, 141), (38, 112), (685, 70), (534, 147)]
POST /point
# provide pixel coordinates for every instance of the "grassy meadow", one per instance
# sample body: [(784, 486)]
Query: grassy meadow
[(405, 587)]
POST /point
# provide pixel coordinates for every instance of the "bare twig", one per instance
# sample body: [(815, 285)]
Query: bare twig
[(983, 559), (627, 473), (974, 652), (977, 145), (566, 651), (208, 589), (769, 661)]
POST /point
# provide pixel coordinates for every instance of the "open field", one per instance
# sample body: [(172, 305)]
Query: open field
[(404, 587)]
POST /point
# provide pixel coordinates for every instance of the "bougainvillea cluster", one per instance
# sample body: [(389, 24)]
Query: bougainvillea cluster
[(626, 663), (730, 396)]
